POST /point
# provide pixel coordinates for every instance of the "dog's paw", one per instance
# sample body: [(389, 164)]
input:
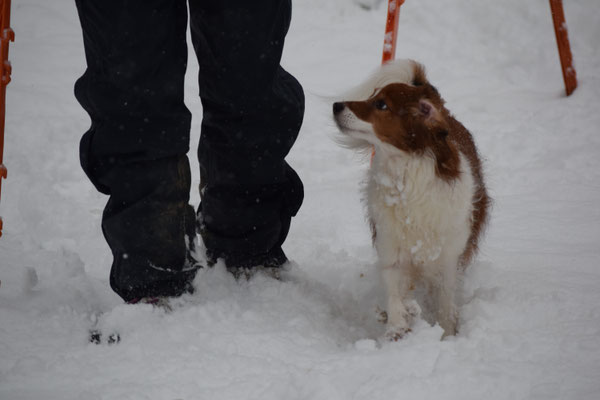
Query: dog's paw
[(450, 328), (382, 316), (394, 334), (413, 309)]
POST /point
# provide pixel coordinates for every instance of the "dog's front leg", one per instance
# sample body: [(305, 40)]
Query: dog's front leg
[(397, 281)]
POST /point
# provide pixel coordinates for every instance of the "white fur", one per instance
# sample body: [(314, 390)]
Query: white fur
[(399, 71), (422, 224)]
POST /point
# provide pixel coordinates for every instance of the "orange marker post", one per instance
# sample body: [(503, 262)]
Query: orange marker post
[(391, 36), (6, 35), (391, 30), (564, 48)]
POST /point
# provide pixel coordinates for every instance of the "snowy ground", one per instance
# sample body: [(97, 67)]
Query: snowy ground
[(531, 318)]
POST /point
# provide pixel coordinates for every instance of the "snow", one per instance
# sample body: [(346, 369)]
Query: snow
[(530, 322)]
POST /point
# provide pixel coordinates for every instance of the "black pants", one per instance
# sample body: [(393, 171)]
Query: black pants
[(135, 150)]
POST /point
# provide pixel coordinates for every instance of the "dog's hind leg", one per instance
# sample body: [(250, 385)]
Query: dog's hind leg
[(398, 283)]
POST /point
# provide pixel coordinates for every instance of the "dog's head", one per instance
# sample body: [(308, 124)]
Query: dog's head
[(406, 113)]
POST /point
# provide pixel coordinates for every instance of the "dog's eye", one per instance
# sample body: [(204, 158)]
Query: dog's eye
[(380, 105)]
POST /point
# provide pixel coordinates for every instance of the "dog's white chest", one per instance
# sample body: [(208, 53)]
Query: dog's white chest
[(419, 218)]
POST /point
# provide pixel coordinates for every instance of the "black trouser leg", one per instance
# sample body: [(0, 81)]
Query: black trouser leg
[(135, 149), (253, 110)]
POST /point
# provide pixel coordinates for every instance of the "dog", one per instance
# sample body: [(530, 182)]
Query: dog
[(425, 194)]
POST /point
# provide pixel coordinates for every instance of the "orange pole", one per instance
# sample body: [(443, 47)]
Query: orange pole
[(6, 35), (564, 48), (391, 36), (391, 30)]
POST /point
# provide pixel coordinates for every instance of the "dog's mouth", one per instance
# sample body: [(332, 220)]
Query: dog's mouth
[(353, 132), (342, 125), (346, 121)]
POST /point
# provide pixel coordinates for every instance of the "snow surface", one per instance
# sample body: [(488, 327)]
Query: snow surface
[(530, 325)]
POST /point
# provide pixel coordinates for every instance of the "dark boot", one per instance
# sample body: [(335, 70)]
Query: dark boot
[(150, 228)]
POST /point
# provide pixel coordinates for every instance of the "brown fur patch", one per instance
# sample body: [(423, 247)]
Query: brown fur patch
[(419, 78), (412, 119)]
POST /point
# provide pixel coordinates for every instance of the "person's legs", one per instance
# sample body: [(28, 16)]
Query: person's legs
[(135, 150), (253, 111)]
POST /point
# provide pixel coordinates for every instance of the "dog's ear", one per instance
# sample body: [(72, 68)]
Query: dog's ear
[(419, 77)]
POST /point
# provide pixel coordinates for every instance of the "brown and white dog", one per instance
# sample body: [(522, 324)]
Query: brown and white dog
[(425, 195)]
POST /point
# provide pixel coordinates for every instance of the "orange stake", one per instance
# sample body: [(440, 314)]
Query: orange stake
[(6, 35), (391, 35), (564, 48), (391, 30)]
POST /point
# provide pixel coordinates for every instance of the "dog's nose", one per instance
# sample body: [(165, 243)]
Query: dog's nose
[(338, 108)]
